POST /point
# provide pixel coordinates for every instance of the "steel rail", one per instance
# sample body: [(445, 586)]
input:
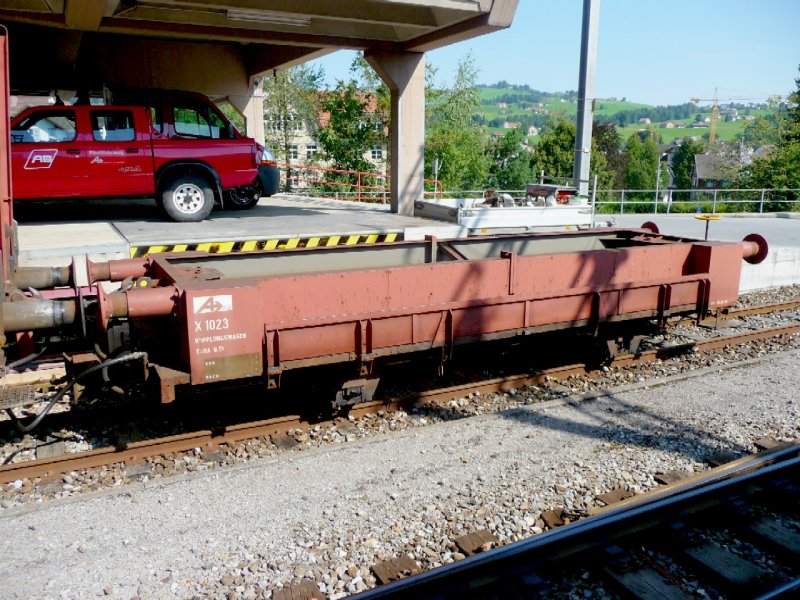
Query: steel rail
[(763, 309), (487, 574), (138, 452)]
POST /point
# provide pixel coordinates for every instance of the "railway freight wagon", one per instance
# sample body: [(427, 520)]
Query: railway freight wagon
[(203, 319), (197, 320)]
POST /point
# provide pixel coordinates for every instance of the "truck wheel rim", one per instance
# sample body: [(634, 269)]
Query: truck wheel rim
[(241, 196), (188, 198)]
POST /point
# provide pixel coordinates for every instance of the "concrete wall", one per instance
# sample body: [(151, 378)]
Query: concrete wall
[(781, 267)]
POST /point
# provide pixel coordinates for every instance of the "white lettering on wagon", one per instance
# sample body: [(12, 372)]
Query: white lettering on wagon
[(213, 344), (213, 339)]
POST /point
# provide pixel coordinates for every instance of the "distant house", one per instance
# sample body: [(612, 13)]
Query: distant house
[(304, 151), (668, 125), (749, 118), (511, 125), (502, 105), (713, 171), (679, 124), (532, 130), (763, 151), (644, 121)]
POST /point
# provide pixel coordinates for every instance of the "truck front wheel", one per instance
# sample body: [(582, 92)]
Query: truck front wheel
[(244, 197), (187, 198)]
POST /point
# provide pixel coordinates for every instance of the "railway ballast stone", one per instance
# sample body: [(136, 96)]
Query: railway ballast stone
[(327, 514)]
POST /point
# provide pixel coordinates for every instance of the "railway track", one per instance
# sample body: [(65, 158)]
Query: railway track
[(136, 456), (731, 532)]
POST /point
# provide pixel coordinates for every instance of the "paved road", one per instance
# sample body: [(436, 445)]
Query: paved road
[(778, 232)]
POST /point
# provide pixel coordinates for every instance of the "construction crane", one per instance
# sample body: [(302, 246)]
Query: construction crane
[(712, 129)]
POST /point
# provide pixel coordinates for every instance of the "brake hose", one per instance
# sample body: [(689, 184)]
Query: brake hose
[(60, 394), (25, 359)]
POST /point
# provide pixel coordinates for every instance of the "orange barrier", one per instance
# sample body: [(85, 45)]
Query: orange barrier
[(360, 186)]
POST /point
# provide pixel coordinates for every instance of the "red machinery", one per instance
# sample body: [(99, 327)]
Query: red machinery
[(203, 319)]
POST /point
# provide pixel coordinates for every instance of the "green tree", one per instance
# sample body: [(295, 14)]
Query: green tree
[(608, 143), (683, 162), (762, 131), (641, 171), (290, 108), (780, 168), (351, 130), (451, 137), (371, 85), (511, 162), (555, 152)]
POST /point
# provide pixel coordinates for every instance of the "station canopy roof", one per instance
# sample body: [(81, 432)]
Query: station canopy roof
[(71, 43)]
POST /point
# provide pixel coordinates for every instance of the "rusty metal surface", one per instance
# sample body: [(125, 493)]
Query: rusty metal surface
[(42, 277), (298, 308), (732, 313), (116, 270), (138, 451), (166, 380), (6, 205), (320, 314), (29, 314)]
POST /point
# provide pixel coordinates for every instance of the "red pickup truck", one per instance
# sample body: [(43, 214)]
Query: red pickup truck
[(174, 146)]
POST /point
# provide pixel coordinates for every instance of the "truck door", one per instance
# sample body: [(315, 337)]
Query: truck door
[(46, 155), (201, 133), (119, 156)]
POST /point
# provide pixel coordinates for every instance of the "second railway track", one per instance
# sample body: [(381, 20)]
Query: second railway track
[(731, 532)]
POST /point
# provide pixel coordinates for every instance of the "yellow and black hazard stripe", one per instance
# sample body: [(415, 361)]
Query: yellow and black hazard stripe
[(273, 244)]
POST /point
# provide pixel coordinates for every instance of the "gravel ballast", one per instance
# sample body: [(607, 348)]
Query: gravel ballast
[(329, 513)]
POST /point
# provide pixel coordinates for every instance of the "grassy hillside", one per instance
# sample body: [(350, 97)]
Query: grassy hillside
[(533, 107)]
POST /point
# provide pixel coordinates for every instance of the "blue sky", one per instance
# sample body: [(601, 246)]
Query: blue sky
[(651, 51)]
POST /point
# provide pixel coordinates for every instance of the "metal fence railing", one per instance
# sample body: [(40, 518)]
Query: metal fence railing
[(698, 200), (361, 186), (342, 184), (675, 200)]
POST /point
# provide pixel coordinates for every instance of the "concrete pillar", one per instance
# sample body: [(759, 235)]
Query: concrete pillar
[(252, 107), (404, 74)]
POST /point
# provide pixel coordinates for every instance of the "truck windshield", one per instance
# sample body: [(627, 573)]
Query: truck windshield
[(198, 120)]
